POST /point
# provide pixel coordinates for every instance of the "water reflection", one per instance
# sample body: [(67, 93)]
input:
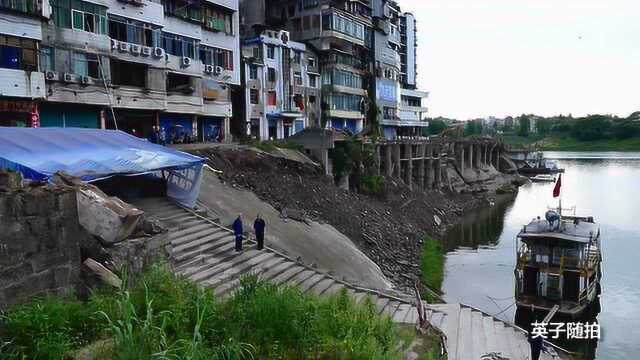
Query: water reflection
[(481, 251)]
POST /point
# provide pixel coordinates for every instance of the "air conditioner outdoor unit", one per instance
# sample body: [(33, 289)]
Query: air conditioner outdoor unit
[(186, 61), (51, 75), (218, 70), (158, 52), (123, 47), (135, 49), (85, 80), (114, 44), (67, 77), (146, 51), (208, 69)]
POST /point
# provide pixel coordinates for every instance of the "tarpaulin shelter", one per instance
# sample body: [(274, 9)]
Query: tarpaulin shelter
[(95, 154)]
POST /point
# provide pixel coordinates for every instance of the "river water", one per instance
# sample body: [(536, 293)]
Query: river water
[(606, 185)]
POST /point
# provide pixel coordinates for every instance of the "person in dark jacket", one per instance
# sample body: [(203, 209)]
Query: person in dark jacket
[(237, 231), (535, 340), (258, 227)]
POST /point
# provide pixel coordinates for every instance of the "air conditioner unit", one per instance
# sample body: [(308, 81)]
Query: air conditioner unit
[(114, 44), (123, 47), (158, 52), (85, 80), (136, 49), (146, 51), (51, 75), (66, 77), (208, 69), (186, 61), (218, 70)]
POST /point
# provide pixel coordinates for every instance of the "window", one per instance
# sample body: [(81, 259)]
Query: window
[(217, 19), (254, 96), (179, 45), (133, 31), (24, 6), (297, 57), (342, 78), (18, 53), (253, 72), (79, 15), (271, 98), (312, 99), (341, 24), (390, 113), (216, 57), (46, 59), (271, 74), (182, 9), (271, 52), (313, 81), (179, 82), (128, 73), (86, 65), (345, 102), (297, 79), (312, 62)]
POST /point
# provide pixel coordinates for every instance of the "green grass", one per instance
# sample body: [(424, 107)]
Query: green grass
[(432, 264), (273, 145), (164, 317), (572, 144)]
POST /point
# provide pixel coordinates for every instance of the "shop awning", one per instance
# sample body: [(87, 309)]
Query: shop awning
[(94, 154)]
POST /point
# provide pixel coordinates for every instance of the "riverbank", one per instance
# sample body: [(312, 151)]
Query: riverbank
[(389, 227), (572, 144)]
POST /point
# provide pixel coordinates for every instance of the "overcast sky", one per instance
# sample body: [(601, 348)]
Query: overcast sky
[(507, 57)]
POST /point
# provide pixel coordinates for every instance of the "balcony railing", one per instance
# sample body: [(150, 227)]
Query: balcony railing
[(31, 7)]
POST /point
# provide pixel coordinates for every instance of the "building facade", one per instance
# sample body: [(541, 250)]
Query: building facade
[(22, 86), (339, 32), (137, 65), (281, 93)]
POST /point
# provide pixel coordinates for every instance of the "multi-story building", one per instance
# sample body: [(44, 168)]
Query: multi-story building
[(340, 33), (281, 93), (140, 65), (22, 86), (400, 103)]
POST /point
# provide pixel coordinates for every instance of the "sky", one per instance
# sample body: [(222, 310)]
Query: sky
[(481, 58)]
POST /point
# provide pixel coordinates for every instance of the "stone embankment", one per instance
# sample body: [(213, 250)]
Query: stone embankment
[(389, 228)]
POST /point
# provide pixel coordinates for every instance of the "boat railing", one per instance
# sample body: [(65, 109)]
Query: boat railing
[(586, 259)]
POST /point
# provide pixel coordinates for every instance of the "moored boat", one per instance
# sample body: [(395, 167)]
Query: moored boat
[(543, 178)]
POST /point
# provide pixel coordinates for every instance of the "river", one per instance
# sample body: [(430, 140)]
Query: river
[(606, 185)]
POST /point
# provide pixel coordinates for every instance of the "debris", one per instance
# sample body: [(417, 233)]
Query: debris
[(10, 180), (436, 220), (105, 274)]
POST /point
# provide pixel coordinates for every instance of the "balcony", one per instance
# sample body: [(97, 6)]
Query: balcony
[(29, 7), (22, 84)]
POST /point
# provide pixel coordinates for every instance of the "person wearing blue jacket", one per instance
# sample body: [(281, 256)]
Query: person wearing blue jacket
[(237, 231)]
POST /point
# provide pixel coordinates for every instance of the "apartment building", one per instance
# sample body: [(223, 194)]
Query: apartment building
[(339, 32), (22, 86), (401, 105), (281, 92), (139, 65)]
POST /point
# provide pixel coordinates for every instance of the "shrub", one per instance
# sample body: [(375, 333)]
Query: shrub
[(432, 263)]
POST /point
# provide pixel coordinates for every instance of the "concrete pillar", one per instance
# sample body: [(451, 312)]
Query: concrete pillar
[(462, 157), (397, 166), (376, 155), (421, 155), (478, 156), (429, 169), (438, 169), (471, 166), (408, 175), (227, 130), (388, 165)]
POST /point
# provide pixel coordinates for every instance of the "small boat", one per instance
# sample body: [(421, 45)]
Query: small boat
[(543, 178), (558, 263)]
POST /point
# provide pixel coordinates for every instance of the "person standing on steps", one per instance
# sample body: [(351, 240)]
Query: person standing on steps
[(237, 231), (258, 227)]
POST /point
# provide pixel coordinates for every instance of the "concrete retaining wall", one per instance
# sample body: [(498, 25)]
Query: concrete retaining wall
[(39, 243)]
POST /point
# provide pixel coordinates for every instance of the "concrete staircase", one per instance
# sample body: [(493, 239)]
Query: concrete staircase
[(472, 334), (203, 251)]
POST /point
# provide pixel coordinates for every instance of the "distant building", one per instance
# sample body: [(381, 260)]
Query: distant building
[(282, 86)]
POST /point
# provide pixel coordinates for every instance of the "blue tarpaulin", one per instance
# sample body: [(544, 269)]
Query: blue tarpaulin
[(94, 154)]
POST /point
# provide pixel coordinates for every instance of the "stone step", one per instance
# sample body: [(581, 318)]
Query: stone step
[(286, 275), (311, 281), (302, 277), (464, 334), (200, 250), (401, 314), (216, 235), (450, 324), (381, 303), (241, 265), (224, 258), (478, 338), (490, 334), (391, 308), (320, 287), (334, 289), (503, 336), (177, 241), (177, 234), (212, 257)]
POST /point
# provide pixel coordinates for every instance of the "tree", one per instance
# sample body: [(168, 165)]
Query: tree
[(524, 125), (592, 127), (472, 127), (436, 126), (543, 126)]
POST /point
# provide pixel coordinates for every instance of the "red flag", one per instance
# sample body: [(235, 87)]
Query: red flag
[(556, 189)]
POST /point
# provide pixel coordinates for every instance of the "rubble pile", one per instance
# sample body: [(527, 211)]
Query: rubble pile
[(388, 228)]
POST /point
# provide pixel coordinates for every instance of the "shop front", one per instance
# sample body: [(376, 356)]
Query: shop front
[(19, 113), (64, 115), (210, 129), (177, 128)]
